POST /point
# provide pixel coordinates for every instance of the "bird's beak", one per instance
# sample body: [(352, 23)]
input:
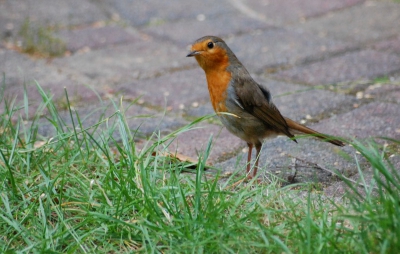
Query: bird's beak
[(193, 53)]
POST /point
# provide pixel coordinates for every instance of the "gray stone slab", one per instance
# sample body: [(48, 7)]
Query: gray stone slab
[(174, 91), (340, 188), (297, 102), (140, 13), (48, 13), (187, 91), (364, 64), (95, 37), (288, 11), (200, 110), (194, 142), (309, 158), (184, 32), (142, 122), (377, 119), (20, 71), (383, 92), (391, 45), (269, 49), (370, 21), (123, 63), (78, 95), (307, 105), (19, 68), (147, 121)]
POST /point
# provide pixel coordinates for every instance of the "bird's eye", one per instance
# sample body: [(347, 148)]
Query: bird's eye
[(210, 45)]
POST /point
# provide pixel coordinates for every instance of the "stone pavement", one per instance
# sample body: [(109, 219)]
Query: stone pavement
[(333, 65)]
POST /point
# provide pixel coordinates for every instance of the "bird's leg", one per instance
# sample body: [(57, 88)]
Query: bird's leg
[(258, 149), (249, 158)]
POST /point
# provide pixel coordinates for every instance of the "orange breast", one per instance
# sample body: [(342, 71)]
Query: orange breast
[(218, 79), (218, 83)]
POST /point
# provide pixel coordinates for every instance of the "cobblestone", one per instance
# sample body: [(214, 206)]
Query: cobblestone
[(136, 50)]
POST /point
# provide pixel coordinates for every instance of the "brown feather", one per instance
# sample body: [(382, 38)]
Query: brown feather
[(255, 101), (299, 128)]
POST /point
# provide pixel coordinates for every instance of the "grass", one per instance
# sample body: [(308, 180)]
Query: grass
[(40, 41), (91, 190)]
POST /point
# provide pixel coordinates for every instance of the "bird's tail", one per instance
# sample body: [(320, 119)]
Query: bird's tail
[(299, 128)]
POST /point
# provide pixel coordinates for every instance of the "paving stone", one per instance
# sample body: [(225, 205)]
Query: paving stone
[(339, 189), (388, 45), (311, 157), (173, 91), (288, 11), (188, 90), (300, 104), (95, 37), (48, 13), (142, 122), (395, 77), (383, 92), (78, 95), (193, 143), (201, 110), (21, 70), (140, 13), (271, 48), (129, 61), (294, 101), (122, 63), (147, 121), (370, 21), (377, 119), (184, 32), (350, 66)]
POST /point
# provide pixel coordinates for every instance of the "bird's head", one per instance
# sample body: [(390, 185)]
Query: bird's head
[(211, 53)]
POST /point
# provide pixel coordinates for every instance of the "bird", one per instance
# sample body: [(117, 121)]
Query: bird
[(244, 107)]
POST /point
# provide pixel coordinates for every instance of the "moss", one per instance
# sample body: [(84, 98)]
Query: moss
[(40, 41)]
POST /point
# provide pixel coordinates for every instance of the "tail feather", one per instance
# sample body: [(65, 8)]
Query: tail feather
[(299, 128)]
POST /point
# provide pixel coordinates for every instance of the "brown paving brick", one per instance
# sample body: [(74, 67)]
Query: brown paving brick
[(350, 66), (174, 91), (194, 142), (377, 119), (287, 11), (95, 37), (367, 22)]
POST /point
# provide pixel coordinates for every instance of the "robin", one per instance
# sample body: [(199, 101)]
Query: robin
[(243, 106)]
